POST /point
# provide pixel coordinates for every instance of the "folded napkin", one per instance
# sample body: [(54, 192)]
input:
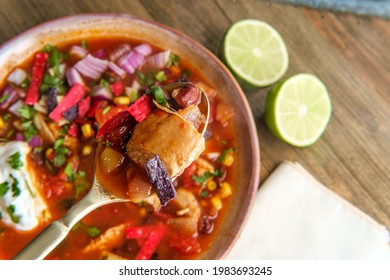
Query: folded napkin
[(295, 217)]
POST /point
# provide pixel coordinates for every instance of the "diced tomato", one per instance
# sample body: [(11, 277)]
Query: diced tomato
[(151, 243), (117, 88), (75, 94), (92, 110), (141, 108), (74, 130), (103, 114), (185, 244), (138, 232), (84, 106), (38, 70)]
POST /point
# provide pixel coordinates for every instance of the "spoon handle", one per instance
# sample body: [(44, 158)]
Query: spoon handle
[(55, 232)]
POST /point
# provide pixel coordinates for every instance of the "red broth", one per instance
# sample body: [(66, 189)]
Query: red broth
[(64, 178)]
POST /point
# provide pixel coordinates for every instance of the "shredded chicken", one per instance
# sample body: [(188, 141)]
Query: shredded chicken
[(172, 138)]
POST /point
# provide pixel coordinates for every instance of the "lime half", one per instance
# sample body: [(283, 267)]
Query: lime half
[(298, 110), (255, 53)]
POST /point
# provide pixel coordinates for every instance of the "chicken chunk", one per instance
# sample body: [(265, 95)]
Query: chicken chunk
[(175, 140)]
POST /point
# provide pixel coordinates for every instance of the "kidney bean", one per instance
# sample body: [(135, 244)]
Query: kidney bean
[(187, 96)]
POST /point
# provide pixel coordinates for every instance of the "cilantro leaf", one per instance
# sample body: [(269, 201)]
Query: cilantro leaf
[(173, 60), (92, 231), (3, 188), (15, 187), (14, 161), (11, 212), (27, 112), (158, 94), (225, 152), (202, 179), (4, 97)]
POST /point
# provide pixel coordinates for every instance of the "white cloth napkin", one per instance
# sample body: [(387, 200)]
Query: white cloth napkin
[(296, 217)]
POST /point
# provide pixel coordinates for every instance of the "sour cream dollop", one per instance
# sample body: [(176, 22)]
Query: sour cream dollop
[(21, 205)]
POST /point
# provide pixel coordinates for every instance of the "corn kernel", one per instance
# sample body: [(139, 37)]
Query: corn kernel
[(211, 185), (87, 130), (216, 202), (2, 124), (225, 190), (228, 160), (87, 150), (143, 212), (49, 154), (122, 100)]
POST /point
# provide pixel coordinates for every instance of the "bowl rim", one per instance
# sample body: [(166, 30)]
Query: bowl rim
[(253, 136)]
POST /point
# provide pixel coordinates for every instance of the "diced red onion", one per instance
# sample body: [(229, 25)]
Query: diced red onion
[(117, 70), (35, 141), (74, 77), (119, 51), (100, 54), (144, 49), (17, 76), (19, 137), (91, 67), (13, 95), (131, 61), (14, 108), (78, 51), (40, 108), (158, 60), (102, 93)]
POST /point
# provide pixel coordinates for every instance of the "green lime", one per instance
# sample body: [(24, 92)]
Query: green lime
[(254, 52), (298, 110)]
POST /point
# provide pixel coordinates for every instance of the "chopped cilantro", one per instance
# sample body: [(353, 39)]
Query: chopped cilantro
[(225, 152), (50, 81), (64, 129), (14, 187), (9, 133), (3, 188), (83, 44), (104, 83), (6, 116), (204, 193), (69, 172), (55, 58), (202, 179), (158, 94), (92, 231), (160, 76), (60, 152), (29, 130), (11, 212), (58, 143), (27, 112), (146, 79), (4, 97), (47, 48), (105, 110), (59, 160), (173, 60), (14, 161), (186, 73), (25, 84)]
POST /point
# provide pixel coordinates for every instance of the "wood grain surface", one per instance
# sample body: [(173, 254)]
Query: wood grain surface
[(348, 52)]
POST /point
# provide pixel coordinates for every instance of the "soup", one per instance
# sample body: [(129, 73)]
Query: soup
[(51, 110)]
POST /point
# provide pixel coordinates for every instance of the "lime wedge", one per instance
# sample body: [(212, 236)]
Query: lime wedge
[(255, 53), (298, 110)]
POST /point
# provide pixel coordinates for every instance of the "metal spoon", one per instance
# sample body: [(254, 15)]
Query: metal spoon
[(98, 196)]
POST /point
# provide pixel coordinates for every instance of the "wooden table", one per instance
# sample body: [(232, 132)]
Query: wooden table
[(349, 53)]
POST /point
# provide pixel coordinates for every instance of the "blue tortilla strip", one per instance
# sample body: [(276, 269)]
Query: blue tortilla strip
[(160, 179)]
